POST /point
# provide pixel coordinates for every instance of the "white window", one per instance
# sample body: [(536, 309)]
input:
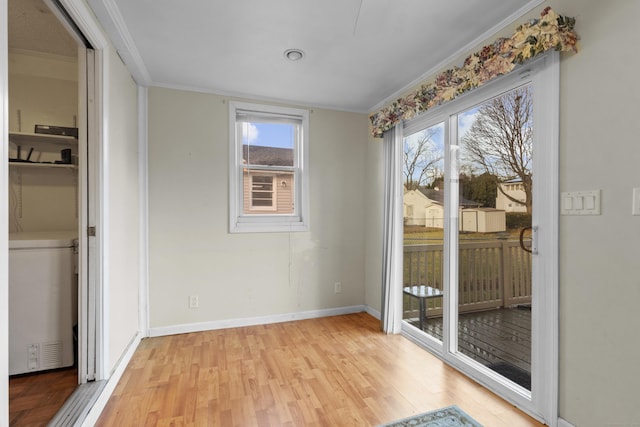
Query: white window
[(268, 173)]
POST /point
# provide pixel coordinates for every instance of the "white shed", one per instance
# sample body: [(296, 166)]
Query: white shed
[(483, 220)]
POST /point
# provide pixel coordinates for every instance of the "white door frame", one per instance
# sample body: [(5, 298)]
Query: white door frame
[(92, 180), (543, 403), (88, 267), (90, 194), (4, 217)]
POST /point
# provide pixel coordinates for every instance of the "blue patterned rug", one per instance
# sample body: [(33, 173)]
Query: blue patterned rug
[(451, 416)]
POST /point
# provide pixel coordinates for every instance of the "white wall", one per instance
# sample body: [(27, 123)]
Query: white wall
[(599, 280), (238, 276), (123, 209)]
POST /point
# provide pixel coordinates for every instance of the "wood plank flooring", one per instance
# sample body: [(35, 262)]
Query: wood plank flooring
[(334, 371), (35, 399)]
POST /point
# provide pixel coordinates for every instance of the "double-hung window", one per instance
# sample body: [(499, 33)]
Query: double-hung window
[(268, 176)]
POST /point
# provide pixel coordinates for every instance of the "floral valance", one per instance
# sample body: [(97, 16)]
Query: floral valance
[(550, 31)]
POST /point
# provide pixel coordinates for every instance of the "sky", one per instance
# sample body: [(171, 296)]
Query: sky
[(465, 120), (269, 134)]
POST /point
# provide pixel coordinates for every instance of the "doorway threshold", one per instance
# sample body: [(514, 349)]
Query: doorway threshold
[(75, 409)]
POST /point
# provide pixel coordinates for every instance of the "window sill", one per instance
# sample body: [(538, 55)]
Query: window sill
[(268, 227)]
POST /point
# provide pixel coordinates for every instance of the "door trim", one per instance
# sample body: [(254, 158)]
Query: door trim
[(95, 207), (4, 217)]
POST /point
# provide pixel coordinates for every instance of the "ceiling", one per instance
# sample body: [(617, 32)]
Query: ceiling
[(33, 27), (358, 53)]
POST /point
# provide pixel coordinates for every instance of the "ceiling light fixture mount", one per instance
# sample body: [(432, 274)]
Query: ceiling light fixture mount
[(294, 54)]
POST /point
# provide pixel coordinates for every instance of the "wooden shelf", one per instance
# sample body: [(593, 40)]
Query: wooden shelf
[(43, 165), (26, 138)]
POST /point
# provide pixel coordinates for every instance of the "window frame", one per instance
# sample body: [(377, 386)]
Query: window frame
[(268, 221)]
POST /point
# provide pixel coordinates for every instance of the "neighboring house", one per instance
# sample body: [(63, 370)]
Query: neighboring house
[(513, 188), (418, 207), (425, 207), (267, 191)]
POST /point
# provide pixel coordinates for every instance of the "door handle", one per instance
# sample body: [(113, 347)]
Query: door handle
[(534, 240)]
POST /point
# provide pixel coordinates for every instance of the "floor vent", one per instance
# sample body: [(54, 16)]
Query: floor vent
[(77, 406)]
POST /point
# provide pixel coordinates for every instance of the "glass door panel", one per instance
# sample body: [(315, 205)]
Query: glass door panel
[(424, 221), (492, 170)]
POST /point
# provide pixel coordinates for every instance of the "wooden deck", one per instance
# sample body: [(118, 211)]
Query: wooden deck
[(499, 339)]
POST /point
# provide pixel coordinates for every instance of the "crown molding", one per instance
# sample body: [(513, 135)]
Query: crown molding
[(109, 15)]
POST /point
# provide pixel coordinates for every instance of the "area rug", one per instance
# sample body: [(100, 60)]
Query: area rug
[(451, 416)]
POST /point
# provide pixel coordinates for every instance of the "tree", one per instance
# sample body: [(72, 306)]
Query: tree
[(420, 159), (500, 139), (480, 188)]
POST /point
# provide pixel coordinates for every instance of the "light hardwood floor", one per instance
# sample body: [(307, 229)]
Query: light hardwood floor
[(334, 371), (36, 398)]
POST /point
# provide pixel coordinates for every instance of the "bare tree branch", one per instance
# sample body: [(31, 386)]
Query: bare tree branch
[(420, 159), (500, 139)]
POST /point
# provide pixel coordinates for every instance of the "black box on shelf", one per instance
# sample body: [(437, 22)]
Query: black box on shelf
[(57, 130)]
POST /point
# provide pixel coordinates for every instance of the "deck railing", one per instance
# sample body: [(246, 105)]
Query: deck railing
[(491, 274)]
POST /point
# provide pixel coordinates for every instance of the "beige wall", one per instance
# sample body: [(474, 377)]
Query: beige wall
[(43, 89), (599, 281), (123, 209), (239, 276)]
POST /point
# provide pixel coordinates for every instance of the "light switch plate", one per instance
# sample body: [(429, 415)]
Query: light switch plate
[(636, 201), (580, 203)]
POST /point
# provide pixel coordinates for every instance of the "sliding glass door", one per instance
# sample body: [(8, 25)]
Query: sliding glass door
[(491, 199), (475, 288), (424, 219)]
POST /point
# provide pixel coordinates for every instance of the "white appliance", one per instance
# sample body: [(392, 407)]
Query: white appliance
[(42, 289)]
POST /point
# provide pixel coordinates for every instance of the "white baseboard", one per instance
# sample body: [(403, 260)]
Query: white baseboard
[(252, 321), (372, 312), (93, 415), (564, 423)]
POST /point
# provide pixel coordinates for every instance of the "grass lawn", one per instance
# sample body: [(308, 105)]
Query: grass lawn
[(418, 235)]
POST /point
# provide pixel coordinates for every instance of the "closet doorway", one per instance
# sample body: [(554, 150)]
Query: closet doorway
[(53, 159)]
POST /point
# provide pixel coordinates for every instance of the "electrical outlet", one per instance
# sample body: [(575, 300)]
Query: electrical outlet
[(32, 356), (194, 301), (337, 287)]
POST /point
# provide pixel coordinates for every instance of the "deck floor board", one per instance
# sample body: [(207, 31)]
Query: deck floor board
[(491, 337)]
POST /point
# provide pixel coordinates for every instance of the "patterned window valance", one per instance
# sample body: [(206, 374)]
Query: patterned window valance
[(550, 31)]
